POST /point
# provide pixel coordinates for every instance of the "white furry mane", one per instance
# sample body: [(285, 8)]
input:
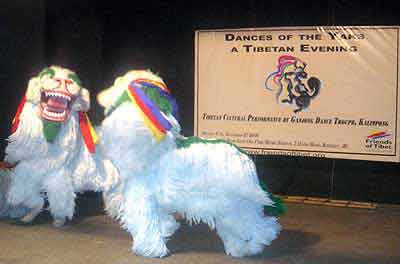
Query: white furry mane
[(107, 97)]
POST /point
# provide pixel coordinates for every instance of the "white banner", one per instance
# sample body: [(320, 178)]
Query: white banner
[(302, 91)]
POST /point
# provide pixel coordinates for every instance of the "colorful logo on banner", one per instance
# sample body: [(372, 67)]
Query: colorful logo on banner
[(288, 83), (378, 135), (379, 140)]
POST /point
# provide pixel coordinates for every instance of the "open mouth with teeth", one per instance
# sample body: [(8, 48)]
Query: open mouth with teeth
[(55, 105)]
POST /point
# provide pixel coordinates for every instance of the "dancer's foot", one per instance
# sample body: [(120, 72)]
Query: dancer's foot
[(58, 222), (31, 215)]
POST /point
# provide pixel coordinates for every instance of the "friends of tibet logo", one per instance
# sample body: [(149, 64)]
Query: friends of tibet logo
[(379, 140), (291, 84)]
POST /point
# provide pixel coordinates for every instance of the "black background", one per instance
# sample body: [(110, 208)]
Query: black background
[(101, 41)]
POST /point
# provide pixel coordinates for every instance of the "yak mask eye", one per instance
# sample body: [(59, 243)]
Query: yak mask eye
[(75, 84), (49, 83), (73, 88)]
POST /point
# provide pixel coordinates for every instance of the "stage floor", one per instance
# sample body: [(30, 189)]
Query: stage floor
[(311, 234)]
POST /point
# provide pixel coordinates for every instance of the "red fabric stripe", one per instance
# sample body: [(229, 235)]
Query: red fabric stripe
[(146, 111), (87, 137), (5, 165), (16, 118)]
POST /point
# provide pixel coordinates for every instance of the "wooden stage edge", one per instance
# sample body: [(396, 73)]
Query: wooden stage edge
[(330, 202)]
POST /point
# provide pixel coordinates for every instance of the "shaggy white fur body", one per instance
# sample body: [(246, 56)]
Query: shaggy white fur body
[(212, 183), (60, 168)]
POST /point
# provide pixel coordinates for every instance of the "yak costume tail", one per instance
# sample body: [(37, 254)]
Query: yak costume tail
[(278, 209)]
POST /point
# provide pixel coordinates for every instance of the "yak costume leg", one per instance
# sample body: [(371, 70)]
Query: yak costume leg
[(6, 210), (24, 191), (61, 196), (4, 207), (246, 233), (148, 223)]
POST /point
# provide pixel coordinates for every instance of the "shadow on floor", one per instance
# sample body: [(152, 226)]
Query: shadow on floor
[(352, 259), (290, 242), (196, 238), (201, 238)]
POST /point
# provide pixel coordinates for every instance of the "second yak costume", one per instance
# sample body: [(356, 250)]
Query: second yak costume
[(163, 173)]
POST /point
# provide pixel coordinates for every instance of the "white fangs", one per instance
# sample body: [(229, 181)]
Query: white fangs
[(55, 105), (57, 94), (54, 115)]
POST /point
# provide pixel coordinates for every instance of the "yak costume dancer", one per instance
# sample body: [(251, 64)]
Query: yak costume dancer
[(53, 146), (208, 181)]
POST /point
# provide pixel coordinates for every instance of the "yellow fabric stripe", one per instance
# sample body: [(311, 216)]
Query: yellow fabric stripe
[(93, 133), (154, 130), (159, 84)]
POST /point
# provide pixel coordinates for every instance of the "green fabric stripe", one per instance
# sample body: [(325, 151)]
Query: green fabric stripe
[(155, 96), (50, 130), (278, 208), (122, 99), (187, 142)]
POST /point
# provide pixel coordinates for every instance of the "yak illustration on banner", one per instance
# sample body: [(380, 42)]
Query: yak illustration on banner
[(288, 83)]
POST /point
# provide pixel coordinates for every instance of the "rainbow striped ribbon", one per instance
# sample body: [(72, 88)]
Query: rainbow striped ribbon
[(151, 114)]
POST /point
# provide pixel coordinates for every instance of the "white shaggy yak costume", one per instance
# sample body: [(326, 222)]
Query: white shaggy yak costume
[(163, 173), (52, 145)]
